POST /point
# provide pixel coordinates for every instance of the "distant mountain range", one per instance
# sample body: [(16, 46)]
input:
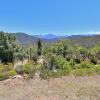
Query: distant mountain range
[(50, 36), (86, 40)]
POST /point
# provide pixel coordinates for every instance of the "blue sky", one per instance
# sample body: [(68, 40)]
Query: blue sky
[(60, 17)]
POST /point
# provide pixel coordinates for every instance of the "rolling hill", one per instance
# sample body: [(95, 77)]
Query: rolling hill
[(83, 40), (23, 38)]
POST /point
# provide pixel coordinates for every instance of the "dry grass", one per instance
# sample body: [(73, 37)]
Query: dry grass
[(65, 88)]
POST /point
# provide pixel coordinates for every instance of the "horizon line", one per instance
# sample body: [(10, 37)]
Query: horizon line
[(59, 34)]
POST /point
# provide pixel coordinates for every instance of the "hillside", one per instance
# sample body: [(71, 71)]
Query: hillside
[(87, 41), (24, 38)]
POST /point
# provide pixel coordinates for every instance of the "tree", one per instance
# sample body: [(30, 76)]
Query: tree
[(39, 48), (7, 47)]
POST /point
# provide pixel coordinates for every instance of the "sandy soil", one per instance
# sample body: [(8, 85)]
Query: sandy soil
[(65, 88)]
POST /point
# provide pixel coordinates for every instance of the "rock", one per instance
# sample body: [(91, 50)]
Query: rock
[(37, 74), (18, 77)]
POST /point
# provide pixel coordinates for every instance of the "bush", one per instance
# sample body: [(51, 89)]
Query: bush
[(97, 69), (79, 72), (86, 64), (62, 64), (90, 71), (7, 75), (77, 66), (71, 63), (93, 60), (47, 74), (66, 72), (3, 76), (6, 67), (77, 61), (2, 69), (44, 74), (12, 73), (29, 69), (31, 72)]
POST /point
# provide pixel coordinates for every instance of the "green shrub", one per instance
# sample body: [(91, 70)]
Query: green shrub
[(97, 69), (12, 73), (3, 76), (77, 60), (77, 66), (2, 69), (79, 72), (62, 64), (86, 64), (6, 67), (29, 69), (44, 74), (93, 60), (71, 63), (66, 72), (90, 71), (47, 74), (31, 72)]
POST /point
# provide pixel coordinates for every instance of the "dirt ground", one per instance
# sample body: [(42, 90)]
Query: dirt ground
[(65, 88)]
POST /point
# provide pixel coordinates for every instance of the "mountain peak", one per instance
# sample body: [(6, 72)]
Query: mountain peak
[(50, 36)]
